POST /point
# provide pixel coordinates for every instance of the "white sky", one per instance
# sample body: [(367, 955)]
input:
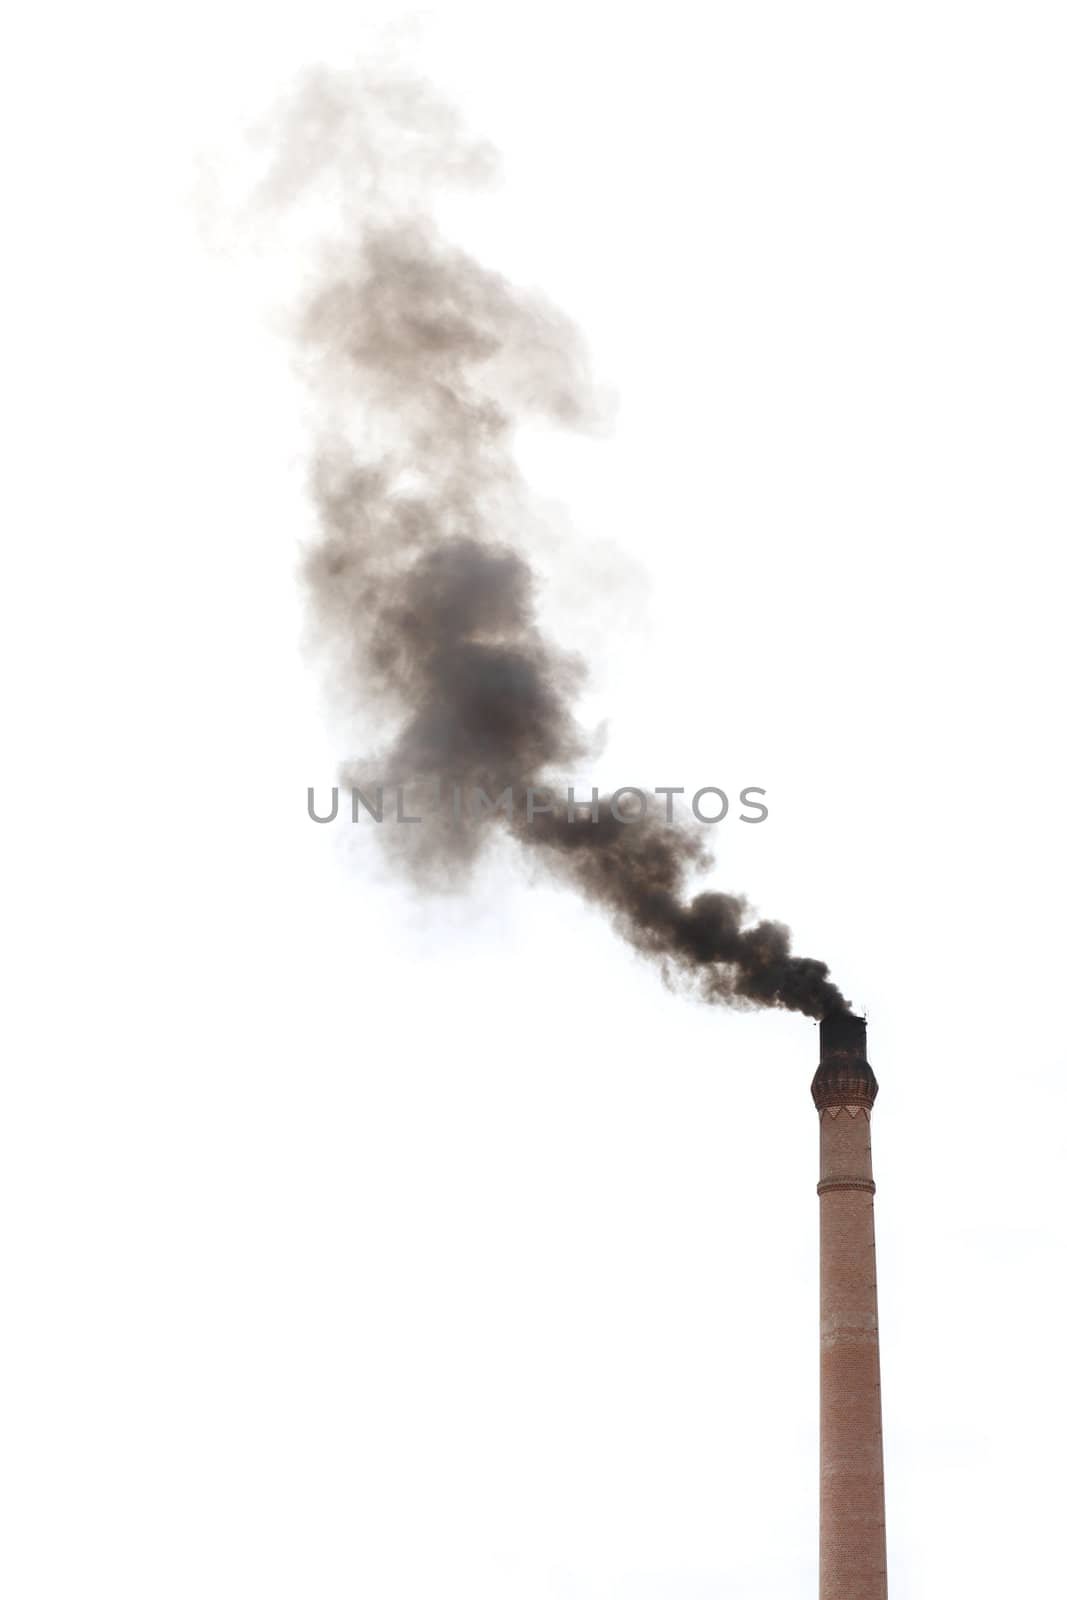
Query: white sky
[(356, 1247)]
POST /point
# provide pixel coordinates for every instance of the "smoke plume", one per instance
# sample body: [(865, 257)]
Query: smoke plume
[(422, 364)]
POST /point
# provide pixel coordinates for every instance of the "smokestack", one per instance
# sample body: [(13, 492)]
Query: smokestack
[(852, 1552)]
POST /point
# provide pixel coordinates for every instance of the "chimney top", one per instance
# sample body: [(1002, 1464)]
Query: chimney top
[(844, 1077), (842, 1032)]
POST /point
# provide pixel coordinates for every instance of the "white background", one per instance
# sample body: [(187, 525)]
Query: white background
[(354, 1246)]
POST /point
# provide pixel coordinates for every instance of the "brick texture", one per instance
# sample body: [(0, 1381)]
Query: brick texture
[(852, 1552)]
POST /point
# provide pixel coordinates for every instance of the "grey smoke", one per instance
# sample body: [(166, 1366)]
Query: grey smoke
[(423, 363)]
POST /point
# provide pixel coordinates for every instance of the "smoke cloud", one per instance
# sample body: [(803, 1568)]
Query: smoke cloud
[(423, 364)]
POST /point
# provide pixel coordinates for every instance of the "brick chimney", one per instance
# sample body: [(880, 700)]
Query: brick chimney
[(852, 1558)]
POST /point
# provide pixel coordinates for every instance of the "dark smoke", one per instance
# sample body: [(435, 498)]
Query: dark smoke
[(423, 364)]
